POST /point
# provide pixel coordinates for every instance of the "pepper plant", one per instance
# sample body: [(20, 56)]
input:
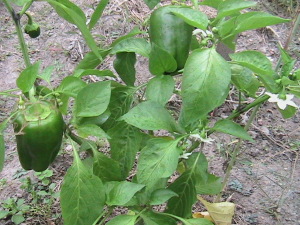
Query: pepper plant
[(135, 173)]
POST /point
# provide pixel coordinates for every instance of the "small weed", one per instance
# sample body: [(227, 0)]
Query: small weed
[(16, 208)]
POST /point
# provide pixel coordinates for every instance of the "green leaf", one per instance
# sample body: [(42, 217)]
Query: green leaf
[(254, 60), (260, 64), (288, 112), (70, 86), (120, 103), (211, 186), (46, 74), (184, 186), (197, 221), (230, 127), (119, 193), (87, 130), (4, 214), (160, 196), (137, 45), (192, 17), (255, 20), (90, 60), (244, 80), (82, 195), (27, 77), (61, 7), (161, 61), (230, 7), (205, 84), (125, 142), (95, 72), (158, 159), (205, 183), (93, 99), (152, 218), (73, 14), (151, 3), (212, 3), (17, 218), (97, 13), (124, 65), (150, 115), (123, 220), (160, 89), (105, 168)]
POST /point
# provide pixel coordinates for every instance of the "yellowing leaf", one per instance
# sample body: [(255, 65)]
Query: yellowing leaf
[(221, 212), (204, 215)]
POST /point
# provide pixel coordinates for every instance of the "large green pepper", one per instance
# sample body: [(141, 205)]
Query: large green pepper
[(171, 33), (39, 130)]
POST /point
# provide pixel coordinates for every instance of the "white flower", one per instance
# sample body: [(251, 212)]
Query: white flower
[(199, 31), (282, 103), (205, 140), (185, 155)]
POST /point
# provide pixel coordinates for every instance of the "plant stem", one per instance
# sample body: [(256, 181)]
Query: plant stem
[(106, 216), (16, 18), (235, 153)]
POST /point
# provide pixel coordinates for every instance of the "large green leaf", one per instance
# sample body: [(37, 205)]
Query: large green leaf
[(124, 65), (205, 83), (260, 64), (123, 220), (93, 99), (137, 45), (230, 7), (158, 159), (191, 183), (191, 16), (82, 195), (70, 86), (151, 115), (27, 77), (244, 79), (87, 130), (160, 89), (255, 20), (120, 102), (125, 141), (161, 61), (105, 168), (160, 196), (153, 218), (184, 187), (230, 127), (211, 186), (119, 193), (254, 60), (205, 183)]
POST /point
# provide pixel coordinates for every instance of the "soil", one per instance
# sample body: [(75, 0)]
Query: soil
[(264, 183)]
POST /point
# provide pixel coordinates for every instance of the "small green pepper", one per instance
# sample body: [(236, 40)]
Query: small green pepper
[(32, 29)]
